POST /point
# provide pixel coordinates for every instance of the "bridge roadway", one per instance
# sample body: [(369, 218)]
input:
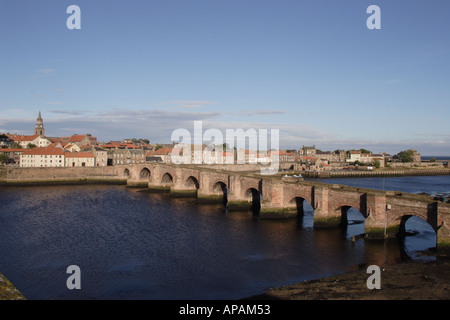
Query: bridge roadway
[(385, 212)]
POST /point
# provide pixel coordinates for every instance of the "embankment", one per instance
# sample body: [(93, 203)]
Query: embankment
[(49, 176), (401, 172)]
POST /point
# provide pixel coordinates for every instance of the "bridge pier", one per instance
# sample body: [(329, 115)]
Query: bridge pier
[(378, 223), (157, 187), (236, 203), (324, 216), (443, 224), (275, 202), (204, 196), (131, 183)]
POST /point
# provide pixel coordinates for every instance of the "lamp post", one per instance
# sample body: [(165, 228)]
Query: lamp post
[(388, 207)]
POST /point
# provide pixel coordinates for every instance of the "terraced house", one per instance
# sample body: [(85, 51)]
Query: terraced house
[(42, 157), (79, 159)]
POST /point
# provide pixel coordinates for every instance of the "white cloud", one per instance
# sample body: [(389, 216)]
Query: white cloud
[(45, 71), (54, 102), (187, 104), (158, 125)]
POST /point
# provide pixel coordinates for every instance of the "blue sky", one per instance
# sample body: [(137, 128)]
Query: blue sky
[(311, 69)]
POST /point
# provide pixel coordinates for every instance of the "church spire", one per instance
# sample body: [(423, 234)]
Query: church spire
[(39, 128)]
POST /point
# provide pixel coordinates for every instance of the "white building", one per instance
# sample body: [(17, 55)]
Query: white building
[(354, 156), (42, 157), (37, 140), (79, 159)]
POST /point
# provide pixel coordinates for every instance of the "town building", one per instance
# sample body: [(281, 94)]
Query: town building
[(5, 141), (354, 155), (82, 140), (34, 140), (308, 151), (79, 159), (160, 155), (416, 156), (284, 156), (42, 157), (13, 154), (72, 147), (101, 155), (126, 156)]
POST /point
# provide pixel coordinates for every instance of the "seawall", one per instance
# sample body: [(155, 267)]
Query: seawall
[(376, 173), (48, 176)]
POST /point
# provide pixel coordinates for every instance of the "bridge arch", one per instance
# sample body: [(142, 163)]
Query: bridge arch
[(192, 183), (126, 173), (304, 208), (417, 221), (145, 174), (416, 234), (253, 196), (167, 179), (352, 220)]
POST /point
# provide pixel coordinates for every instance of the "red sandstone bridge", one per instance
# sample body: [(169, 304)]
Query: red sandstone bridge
[(385, 212)]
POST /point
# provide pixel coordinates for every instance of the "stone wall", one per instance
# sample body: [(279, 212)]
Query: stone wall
[(55, 174)]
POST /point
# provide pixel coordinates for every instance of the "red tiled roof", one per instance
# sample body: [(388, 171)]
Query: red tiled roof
[(76, 138), (44, 151), (11, 150), (82, 154), (24, 138)]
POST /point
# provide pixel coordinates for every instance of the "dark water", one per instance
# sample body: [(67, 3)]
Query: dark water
[(130, 244)]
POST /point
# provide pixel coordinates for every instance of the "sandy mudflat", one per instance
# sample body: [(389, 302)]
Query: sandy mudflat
[(411, 280), (8, 291)]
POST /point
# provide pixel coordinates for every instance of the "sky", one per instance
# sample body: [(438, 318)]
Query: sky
[(310, 68)]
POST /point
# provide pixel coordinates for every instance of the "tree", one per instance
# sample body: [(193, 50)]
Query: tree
[(433, 160), (16, 145), (376, 163), (31, 146), (158, 147), (4, 158), (405, 156)]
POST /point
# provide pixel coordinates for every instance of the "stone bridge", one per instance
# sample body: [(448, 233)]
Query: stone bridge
[(385, 212)]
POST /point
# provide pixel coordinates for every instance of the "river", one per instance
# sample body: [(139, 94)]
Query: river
[(132, 244)]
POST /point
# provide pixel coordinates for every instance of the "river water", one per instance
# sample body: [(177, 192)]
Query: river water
[(132, 244)]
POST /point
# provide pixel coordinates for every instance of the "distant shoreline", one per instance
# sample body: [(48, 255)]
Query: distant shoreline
[(389, 172)]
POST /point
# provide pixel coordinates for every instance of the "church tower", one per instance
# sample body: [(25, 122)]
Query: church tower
[(39, 128)]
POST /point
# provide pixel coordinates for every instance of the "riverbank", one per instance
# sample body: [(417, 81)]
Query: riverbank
[(412, 280), (385, 172), (8, 291)]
